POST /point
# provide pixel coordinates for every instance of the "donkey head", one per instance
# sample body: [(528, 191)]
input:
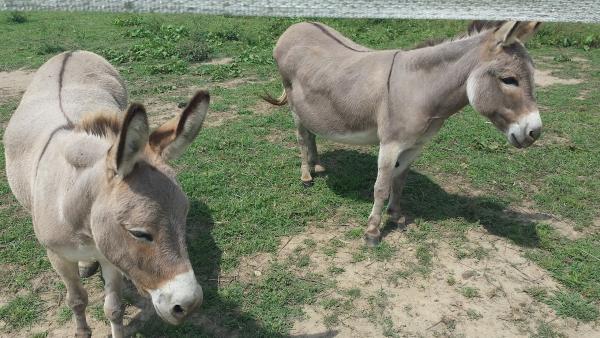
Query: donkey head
[(501, 86), (138, 219)]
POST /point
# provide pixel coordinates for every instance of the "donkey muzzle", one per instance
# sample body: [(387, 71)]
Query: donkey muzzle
[(525, 131), (177, 298)]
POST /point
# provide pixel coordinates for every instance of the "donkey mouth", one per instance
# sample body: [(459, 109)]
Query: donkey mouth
[(515, 142)]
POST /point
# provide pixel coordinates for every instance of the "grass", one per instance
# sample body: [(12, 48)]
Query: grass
[(469, 292), (244, 189), (22, 311)]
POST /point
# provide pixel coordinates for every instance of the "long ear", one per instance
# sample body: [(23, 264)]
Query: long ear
[(132, 140), (527, 30), (507, 33), (172, 138)]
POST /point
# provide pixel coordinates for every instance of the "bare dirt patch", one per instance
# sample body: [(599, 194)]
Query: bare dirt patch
[(13, 84), (219, 61), (239, 82), (393, 300), (262, 108), (544, 78), (136, 314)]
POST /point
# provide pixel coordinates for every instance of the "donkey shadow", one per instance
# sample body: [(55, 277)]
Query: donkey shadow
[(215, 314), (352, 174)]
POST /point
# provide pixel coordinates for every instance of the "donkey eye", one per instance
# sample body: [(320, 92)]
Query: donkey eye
[(141, 235), (511, 81)]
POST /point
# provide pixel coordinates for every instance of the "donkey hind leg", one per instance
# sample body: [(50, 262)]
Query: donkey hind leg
[(113, 307), (313, 154), (76, 295), (388, 153), (304, 141)]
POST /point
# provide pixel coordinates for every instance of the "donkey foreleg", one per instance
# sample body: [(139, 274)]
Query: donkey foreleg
[(398, 182), (76, 295), (388, 154), (113, 308), (401, 168)]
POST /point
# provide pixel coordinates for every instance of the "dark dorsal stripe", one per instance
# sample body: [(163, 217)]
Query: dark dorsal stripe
[(391, 70), (328, 33), (61, 76), (54, 132), (67, 126), (389, 79)]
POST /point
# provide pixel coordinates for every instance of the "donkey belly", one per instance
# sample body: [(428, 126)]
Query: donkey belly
[(341, 119), (354, 137)]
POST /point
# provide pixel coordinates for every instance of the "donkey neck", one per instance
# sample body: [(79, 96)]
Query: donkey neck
[(442, 71)]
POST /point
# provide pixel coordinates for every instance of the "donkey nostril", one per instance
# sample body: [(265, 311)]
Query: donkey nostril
[(535, 133), (178, 311)]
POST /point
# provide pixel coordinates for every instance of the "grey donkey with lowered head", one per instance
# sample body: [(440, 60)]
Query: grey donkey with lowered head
[(99, 188), (399, 99)]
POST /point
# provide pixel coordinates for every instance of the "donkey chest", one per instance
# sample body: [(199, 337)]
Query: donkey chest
[(81, 252)]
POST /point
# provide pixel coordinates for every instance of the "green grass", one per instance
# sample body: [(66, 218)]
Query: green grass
[(469, 292), (22, 311), (244, 189)]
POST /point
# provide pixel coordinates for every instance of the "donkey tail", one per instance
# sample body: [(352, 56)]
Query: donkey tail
[(282, 100)]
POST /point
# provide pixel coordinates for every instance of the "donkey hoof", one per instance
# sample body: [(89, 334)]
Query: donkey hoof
[(87, 269), (308, 184), (83, 333), (372, 240)]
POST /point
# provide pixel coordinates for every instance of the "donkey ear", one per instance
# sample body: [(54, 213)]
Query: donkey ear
[(132, 140), (506, 34), (527, 29), (172, 138)]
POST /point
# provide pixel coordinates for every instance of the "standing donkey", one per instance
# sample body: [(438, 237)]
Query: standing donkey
[(399, 99), (98, 187)]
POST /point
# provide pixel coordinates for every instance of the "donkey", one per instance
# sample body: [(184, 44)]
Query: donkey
[(399, 99), (98, 186)]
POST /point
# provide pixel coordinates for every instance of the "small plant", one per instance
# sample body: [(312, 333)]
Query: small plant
[(303, 261), (310, 243), (331, 320), (358, 256), (562, 58), (353, 293), (354, 233), (17, 17), (544, 330), (334, 270), (97, 312), (451, 280), (128, 21), (176, 66), (473, 314), (469, 292), (64, 314), (537, 292), (48, 48), (423, 254), (223, 72)]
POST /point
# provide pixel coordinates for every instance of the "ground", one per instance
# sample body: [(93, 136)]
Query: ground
[(500, 241)]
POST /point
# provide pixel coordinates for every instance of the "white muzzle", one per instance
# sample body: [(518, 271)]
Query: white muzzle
[(177, 298), (528, 129)]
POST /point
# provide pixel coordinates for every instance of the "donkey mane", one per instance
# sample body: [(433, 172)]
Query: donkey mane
[(101, 124), (475, 27)]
